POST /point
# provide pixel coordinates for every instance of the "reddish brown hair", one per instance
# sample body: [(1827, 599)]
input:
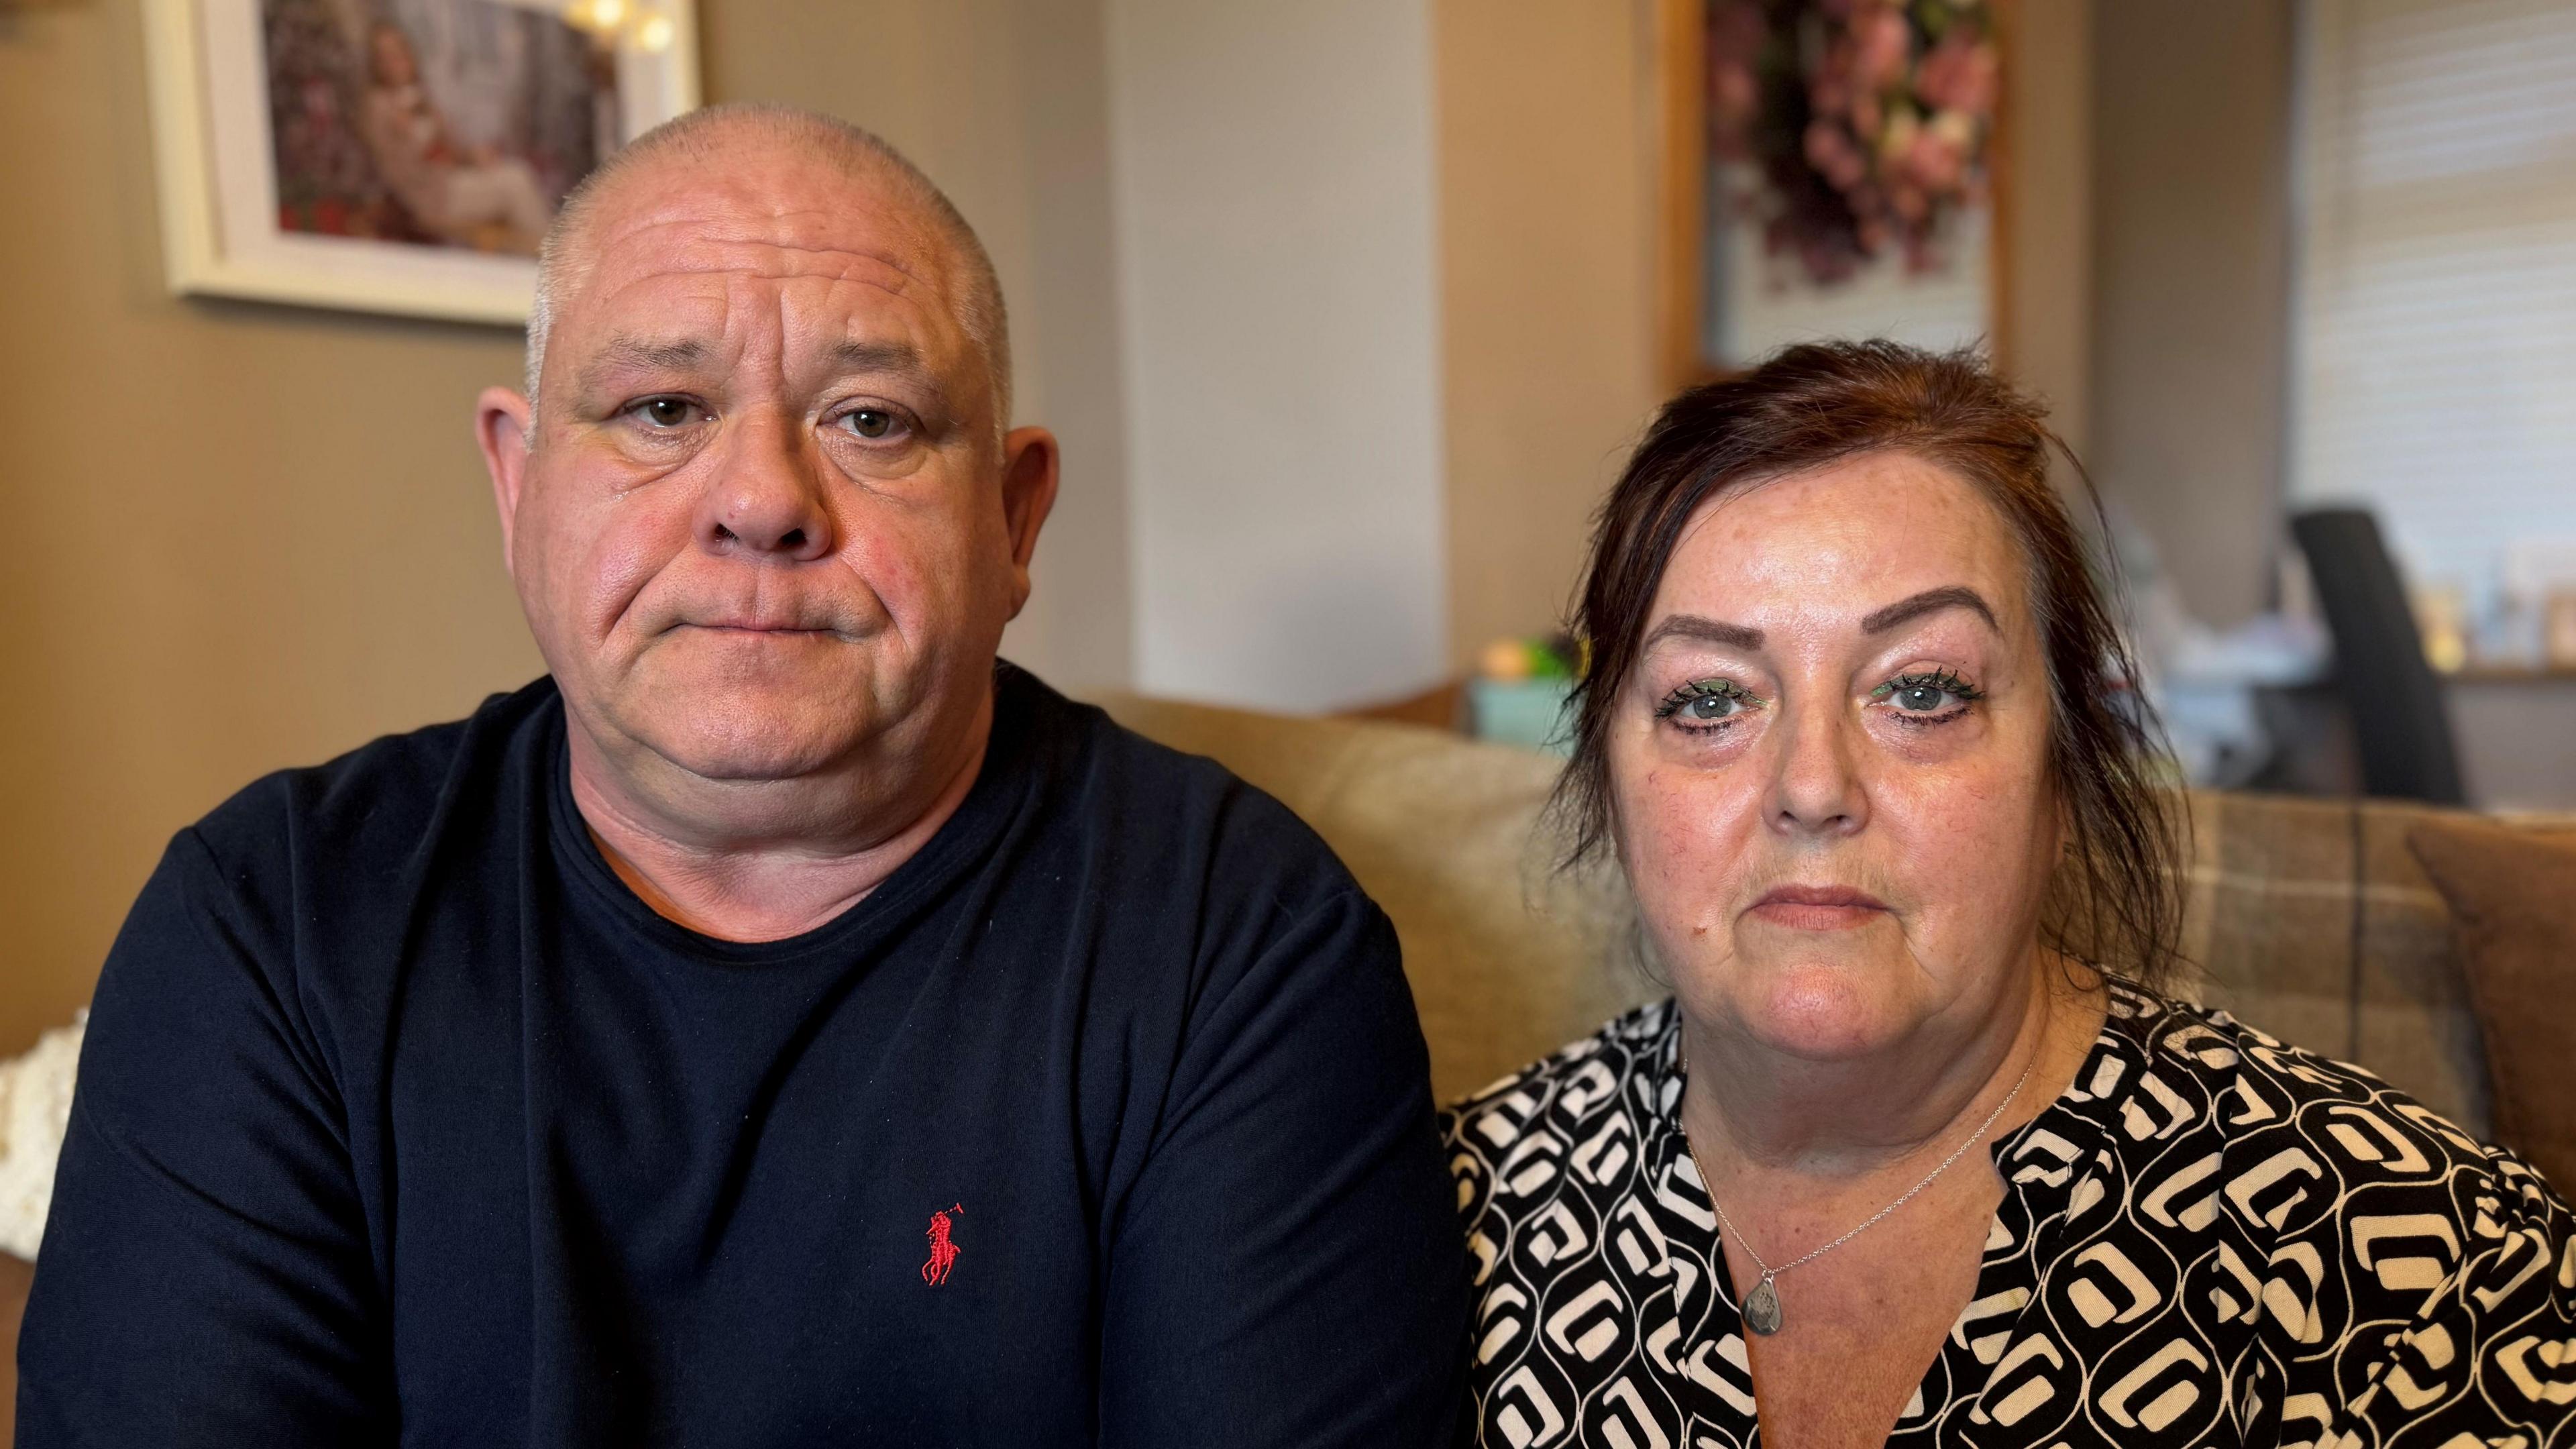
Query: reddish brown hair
[(2115, 902)]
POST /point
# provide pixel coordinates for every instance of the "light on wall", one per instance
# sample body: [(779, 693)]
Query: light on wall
[(623, 23)]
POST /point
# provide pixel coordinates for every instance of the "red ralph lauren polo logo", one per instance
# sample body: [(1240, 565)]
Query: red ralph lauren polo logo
[(943, 1249)]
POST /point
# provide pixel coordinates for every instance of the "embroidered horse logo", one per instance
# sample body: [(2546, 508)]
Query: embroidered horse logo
[(943, 1250)]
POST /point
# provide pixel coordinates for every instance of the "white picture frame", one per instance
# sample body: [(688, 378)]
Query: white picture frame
[(217, 162)]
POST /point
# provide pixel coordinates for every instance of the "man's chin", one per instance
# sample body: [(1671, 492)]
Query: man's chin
[(750, 751), (746, 721), (744, 736), (749, 766)]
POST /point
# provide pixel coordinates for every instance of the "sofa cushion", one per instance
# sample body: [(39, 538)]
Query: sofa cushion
[(2310, 920), (35, 1112), (2513, 900), (1509, 959)]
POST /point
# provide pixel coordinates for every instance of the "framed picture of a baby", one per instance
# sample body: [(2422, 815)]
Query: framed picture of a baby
[(397, 156)]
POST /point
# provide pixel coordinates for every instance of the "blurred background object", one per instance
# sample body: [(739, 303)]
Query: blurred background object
[(2389, 686), (1519, 692), (1846, 176), (1347, 312)]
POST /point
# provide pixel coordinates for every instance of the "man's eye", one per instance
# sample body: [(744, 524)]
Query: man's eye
[(870, 422), (665, 412)]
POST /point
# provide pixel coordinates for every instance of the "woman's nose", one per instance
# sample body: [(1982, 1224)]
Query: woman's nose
[(768, 499), (1814, 788)]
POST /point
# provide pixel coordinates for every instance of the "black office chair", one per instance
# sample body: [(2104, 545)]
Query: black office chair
[(2399, 722)]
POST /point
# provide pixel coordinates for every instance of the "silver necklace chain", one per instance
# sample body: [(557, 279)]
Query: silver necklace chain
[(1769, 1272)]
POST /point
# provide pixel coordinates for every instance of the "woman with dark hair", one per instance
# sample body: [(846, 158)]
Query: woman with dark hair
[(1917, 1152)]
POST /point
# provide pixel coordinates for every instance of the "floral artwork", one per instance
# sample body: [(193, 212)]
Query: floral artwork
[(1850, 130)]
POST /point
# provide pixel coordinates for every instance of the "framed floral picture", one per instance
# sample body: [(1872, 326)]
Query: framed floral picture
[(400, 156), (1833, 169)]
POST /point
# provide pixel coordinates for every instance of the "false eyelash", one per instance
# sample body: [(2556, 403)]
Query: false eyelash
[(1940, 679), (1699, 689)]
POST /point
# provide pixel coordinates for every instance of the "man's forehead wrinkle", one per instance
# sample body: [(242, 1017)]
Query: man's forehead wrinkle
[(723, 328), (734, 212), (713, 299), (761, 258), (706, 230), (730, 225)]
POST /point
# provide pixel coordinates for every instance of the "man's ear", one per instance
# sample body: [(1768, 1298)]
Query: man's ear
[(1029, 463), (501, 428)]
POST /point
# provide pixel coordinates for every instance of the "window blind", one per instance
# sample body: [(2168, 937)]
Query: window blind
[(2434, 347)]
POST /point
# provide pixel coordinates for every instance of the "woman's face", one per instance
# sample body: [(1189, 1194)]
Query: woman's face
[(394, 65), (1829, 768)]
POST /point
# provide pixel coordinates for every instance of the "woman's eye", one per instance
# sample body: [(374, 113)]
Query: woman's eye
[(1926, 694), (665, 412), (1706, 703), (870, 422)]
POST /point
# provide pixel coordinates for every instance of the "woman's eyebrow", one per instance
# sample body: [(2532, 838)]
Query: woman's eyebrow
[(1706, 631), (1949, 596)]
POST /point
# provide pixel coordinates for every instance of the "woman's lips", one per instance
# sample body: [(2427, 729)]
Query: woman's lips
[(1817, 908)]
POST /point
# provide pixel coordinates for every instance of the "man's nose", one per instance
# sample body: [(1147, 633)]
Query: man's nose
[(768, 499), (1814, 789)]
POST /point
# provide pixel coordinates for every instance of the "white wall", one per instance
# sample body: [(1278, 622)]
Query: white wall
[(1272, 164)]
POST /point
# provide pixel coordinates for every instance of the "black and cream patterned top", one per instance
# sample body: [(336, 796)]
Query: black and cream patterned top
[(2209, 1239)]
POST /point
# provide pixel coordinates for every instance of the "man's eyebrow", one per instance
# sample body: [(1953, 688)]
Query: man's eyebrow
[(1949, 596), (897, 360), (1706, 631), (859, 356), (622, 352)]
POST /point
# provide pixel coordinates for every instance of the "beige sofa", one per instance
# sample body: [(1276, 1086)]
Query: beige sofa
[(2308, 918)]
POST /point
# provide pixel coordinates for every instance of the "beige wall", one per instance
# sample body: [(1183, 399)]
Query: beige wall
[(2046, 314), (250, 537), (1550, 124), (1546, 113), (253, 537), (2191, 285)]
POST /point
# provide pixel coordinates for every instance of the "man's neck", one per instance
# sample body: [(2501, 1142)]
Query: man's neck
[(763, 861)]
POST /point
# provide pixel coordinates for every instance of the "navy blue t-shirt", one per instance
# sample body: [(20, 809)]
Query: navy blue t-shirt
[(1104, 1120)]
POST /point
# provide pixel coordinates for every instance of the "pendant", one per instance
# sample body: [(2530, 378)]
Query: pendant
[(1762, 1308)]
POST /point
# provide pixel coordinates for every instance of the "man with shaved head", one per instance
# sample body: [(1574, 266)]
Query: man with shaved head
[(785, 1023)]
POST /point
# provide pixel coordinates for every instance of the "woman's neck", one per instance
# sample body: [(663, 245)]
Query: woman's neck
[(1756, 1113)]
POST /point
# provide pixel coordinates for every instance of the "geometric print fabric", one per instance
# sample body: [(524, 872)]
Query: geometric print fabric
[(2210, 1238)]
